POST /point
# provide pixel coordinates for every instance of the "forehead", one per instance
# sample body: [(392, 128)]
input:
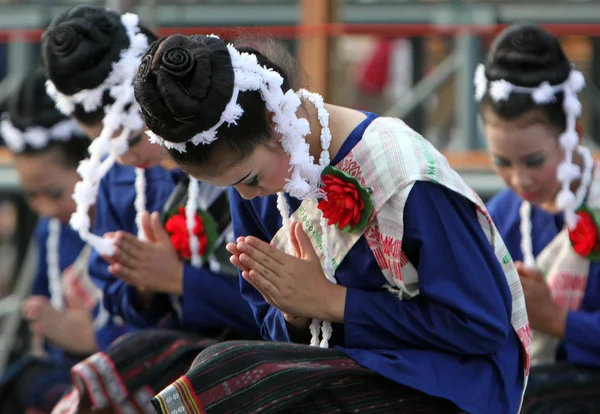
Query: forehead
[(226, 174), (39, 170), (509, 137)]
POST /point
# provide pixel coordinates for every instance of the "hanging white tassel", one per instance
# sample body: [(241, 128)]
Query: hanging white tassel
[(191, 209), (53, 265), (140, 200)]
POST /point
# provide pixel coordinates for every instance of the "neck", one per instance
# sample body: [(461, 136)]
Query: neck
[(342, 122)]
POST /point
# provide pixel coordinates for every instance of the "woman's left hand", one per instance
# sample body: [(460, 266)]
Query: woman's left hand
[(545, 315), (295, 285), (152, 265)]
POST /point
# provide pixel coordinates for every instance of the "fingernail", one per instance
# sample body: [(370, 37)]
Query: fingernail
[(242, 247)]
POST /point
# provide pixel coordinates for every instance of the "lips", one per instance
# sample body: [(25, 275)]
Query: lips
[(145, 165), (528, 196)]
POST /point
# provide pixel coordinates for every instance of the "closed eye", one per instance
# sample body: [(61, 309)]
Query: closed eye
[(253, 182), (501, 162)]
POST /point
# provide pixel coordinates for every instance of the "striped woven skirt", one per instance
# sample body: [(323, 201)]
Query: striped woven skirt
[(271, 377), (125, 377), (562, 388)]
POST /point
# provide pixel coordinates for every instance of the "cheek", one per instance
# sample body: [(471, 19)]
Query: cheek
[(276, 174)]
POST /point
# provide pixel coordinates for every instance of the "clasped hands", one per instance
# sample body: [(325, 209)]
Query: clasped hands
[(152, 265), (294, 284), (544, 314)]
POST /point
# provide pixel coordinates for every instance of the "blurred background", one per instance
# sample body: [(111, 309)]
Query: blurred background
[(412, 59)]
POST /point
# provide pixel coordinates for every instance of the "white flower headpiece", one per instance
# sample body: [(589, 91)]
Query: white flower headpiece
[(119, 83), (249, 75), (37, 137), (567, 172), (306, 175)]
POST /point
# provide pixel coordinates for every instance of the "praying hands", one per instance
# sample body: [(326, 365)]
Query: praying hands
[(296, 285), (152, 265)]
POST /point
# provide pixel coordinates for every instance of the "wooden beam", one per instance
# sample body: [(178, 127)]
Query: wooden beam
[(314, 47)]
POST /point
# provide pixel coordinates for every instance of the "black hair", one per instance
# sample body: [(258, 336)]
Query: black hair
[(184, 84), (527, 55), (79, 49), (29, 106)]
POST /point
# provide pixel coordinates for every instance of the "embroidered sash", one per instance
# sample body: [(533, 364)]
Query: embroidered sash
[(566, 273), (388, 160)]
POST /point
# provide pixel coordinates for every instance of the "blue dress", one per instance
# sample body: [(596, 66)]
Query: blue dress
[(455, 339)]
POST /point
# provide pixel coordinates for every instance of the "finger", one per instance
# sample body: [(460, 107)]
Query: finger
[(264, 259), (266, 296), (266, 249), (158, 229), (235, 260), (294, 240), (265, 285), (252, 264), (123, 273), (109, 235), (109, 259), (147, 228), (232, 248), (240, 239), (306, 247)]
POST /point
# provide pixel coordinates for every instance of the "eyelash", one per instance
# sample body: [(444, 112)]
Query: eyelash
[(253, 182), (134, 140), (536, 162)]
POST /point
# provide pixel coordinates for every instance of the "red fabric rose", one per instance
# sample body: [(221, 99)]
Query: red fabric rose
[(343, 204), (176, 226), (584, 237)]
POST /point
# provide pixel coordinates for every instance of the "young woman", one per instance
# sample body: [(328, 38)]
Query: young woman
[(47, 148), (164, 277), (397, 272), (548, 216)]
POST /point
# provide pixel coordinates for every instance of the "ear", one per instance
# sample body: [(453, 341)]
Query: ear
[(579, 129)]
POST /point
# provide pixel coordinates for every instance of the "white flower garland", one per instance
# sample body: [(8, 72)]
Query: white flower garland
[(119, 83), (191, 207), (567, 172), (250, 76), (53, 265), (37, 137), (306, 175), (525, 210)]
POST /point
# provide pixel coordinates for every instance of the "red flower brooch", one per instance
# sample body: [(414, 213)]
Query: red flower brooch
[(205, 229), (347, 204), (584, 237)]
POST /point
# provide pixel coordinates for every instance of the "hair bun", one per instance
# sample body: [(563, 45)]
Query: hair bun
[(527, 55), (80, 46), (183, 84)]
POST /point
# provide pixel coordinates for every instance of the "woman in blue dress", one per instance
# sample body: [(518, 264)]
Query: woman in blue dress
[(153, 273), (354, 236), (528, 91), (48, 147)]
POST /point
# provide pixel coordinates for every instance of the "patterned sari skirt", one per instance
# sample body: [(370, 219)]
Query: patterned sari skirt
[(562, 388), (125, 377), (271, 377)]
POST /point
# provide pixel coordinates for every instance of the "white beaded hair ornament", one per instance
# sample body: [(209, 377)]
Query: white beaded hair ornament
[(305, 181), (37, 137), (123, 112), (567, 172)]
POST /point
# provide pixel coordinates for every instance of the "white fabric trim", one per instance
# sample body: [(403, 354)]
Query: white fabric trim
[(53, 265), (37, 137)]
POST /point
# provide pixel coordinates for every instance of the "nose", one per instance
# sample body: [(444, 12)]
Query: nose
[(44, 207), (246, 192), (521, 178)]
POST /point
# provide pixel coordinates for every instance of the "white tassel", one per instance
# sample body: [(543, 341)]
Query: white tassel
[(191, 209), (480, 82), (53, 265), (543, 94), (140, 200), (500, 90)]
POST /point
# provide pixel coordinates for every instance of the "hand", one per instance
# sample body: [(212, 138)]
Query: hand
[(152, 265), (39, 312), (543, 312), (295, 285)]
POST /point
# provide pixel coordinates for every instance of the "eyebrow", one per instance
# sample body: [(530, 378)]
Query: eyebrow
[(242, 179), (523, 157)]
